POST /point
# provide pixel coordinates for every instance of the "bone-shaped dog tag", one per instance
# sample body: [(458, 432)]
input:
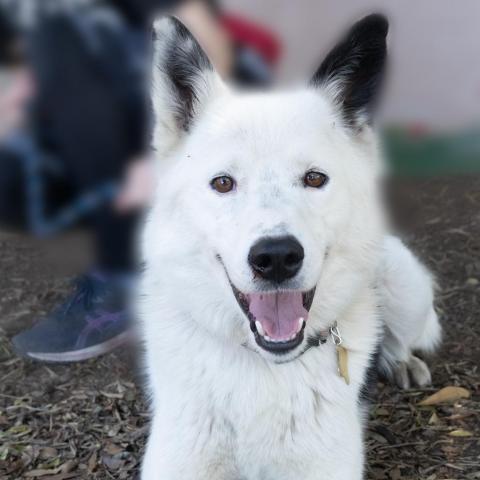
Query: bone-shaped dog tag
[(342, 353), (342, 358)]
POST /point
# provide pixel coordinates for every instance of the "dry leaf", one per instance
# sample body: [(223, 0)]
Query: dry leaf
[(63, 476), (396, 474), (113, 449), (112, 463), (67, 467), (92, 462), (460, 433), (434, 420), (446, 395), (48, 452), (41, 472), (112, 395)]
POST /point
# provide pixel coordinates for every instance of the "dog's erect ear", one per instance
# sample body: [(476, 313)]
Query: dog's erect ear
[(183, 79), (352, 72)]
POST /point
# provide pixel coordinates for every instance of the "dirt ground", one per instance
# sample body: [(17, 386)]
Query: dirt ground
[(90, 420)]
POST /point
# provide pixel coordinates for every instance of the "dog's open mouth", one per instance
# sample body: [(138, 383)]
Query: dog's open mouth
[(277, 319)]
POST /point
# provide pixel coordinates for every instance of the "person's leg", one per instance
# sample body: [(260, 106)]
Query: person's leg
[(89, 124), (12, 188), (99, 123), (115, 246)]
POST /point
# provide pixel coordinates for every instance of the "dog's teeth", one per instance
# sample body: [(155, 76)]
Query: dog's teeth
[(301, 322), (267, 338), (260, 329)]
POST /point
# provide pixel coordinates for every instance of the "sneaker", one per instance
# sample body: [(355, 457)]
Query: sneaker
[(93, 321)]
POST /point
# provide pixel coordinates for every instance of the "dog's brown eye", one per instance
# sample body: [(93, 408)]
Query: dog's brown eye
[(315, 179), (223, 184)]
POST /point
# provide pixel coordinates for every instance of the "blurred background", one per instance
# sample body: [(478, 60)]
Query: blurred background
[(76, 175)]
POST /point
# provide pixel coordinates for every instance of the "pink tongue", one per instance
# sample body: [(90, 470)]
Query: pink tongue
[(278, 312)]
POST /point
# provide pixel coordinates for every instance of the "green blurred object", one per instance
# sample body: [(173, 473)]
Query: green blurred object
[(427, 154)]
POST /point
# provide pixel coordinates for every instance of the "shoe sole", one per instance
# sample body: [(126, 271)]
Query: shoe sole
[(84, 354)]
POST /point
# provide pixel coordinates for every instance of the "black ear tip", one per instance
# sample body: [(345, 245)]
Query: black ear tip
[(176, 23), (169, 26), (376, 23)]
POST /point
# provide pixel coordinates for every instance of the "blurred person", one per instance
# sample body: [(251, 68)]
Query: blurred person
[(86, 122), (86, 131)]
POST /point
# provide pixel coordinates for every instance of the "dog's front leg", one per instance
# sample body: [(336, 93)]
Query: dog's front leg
[(166, 468), (154, 462), (347, 471), (345, 461), (174, 456)]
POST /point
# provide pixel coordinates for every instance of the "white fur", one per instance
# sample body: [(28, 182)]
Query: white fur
[(222, 407)]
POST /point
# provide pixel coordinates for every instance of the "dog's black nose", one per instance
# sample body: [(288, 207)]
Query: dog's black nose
[(276, 259)]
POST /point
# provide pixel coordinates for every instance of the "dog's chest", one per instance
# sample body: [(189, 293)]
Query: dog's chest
[(270, 422)]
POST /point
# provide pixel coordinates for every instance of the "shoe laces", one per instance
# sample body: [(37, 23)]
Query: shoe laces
[(85, 292)]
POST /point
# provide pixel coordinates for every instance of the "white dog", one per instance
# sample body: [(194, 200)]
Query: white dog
[(266, 259)]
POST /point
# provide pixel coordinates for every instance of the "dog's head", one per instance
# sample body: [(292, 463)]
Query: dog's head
[(266, 223)]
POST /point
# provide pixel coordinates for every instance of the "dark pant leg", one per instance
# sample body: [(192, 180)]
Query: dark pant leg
[(90, 124), (115, 241), (12, 191)]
